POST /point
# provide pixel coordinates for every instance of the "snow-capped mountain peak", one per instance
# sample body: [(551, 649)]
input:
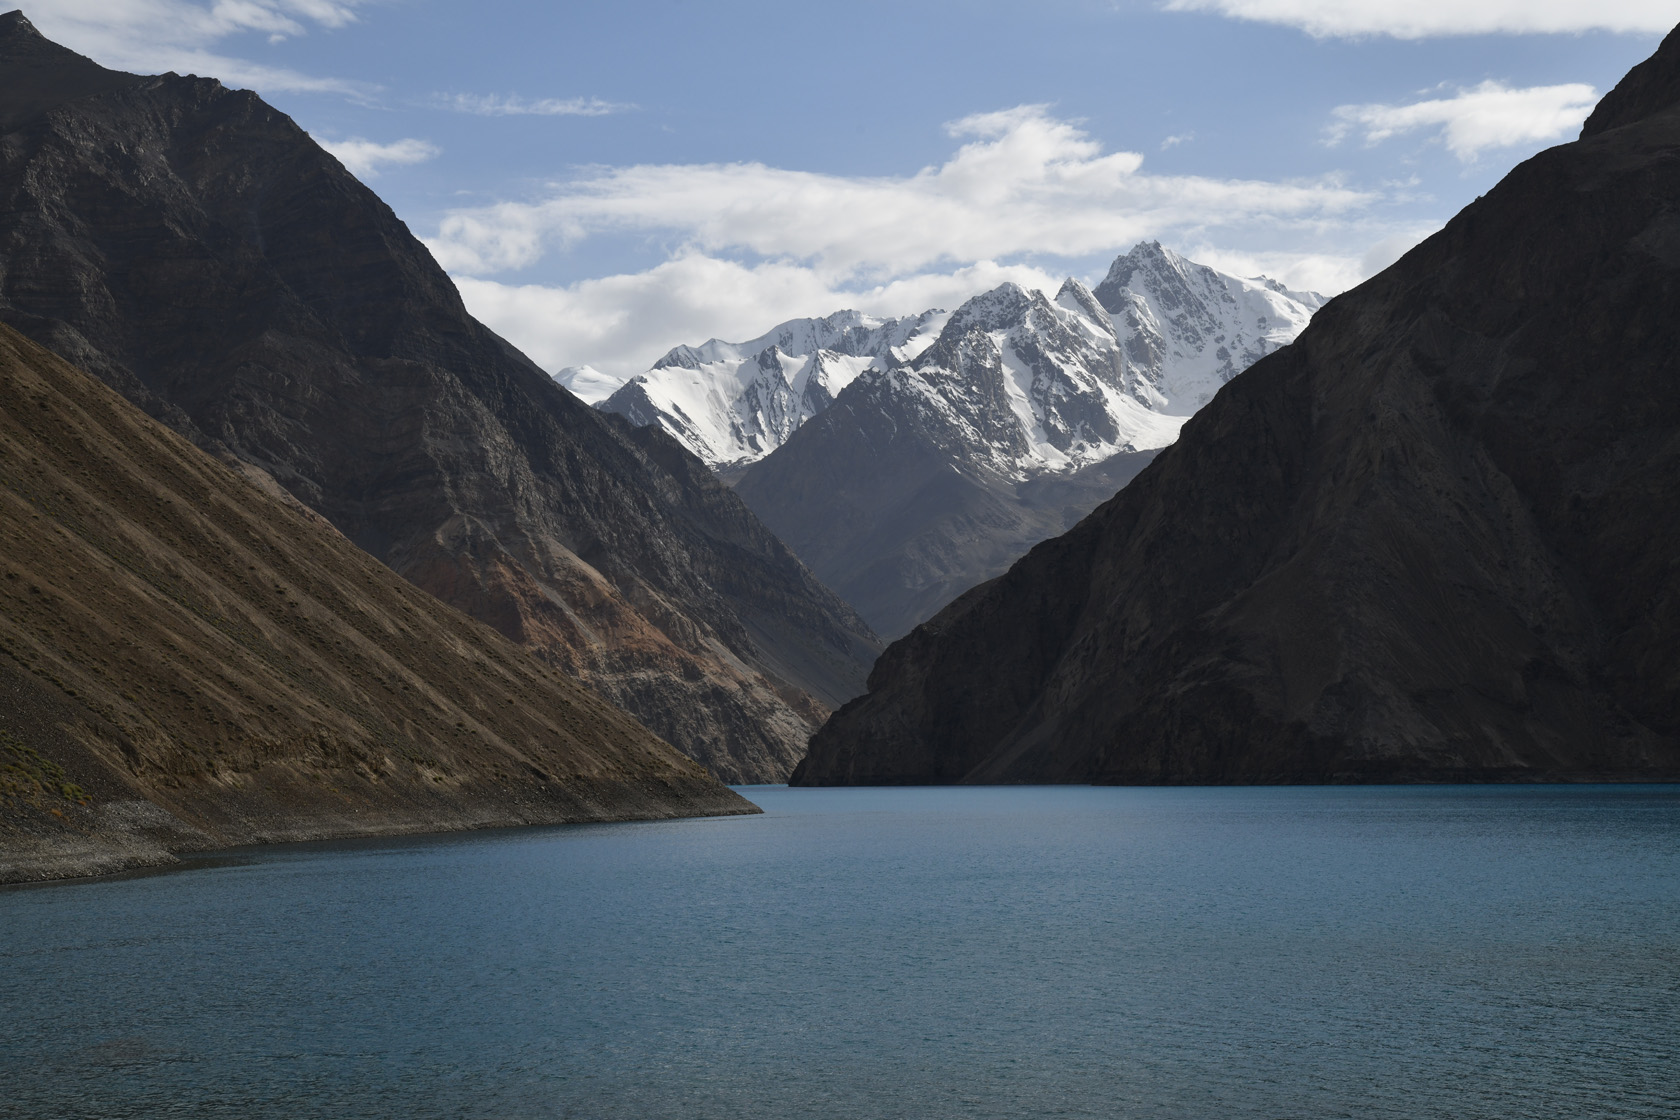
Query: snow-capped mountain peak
[(1187, 329), (588, 383), (1029, 385), (1081, 376), (735, 402)]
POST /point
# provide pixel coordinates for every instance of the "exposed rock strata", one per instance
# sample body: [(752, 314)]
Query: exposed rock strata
[(1434, 539), (188, 660), (193, 248)]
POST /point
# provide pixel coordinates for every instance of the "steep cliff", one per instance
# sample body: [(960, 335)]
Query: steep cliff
[(192, 247), (1434, 539)]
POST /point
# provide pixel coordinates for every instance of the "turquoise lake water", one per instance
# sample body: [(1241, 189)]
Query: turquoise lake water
[(1300, 953)]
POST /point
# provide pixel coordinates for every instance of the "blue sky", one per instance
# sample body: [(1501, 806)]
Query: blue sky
[(605, 181)]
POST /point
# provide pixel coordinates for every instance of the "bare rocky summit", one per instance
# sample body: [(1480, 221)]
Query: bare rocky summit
[(193, 248), (1434, 539), (190, 658)]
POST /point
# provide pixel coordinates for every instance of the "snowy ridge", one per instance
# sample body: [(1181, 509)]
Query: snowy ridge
[(589, 384), (1187, 329), (1028, 383), (735, 402), (1023, 385)]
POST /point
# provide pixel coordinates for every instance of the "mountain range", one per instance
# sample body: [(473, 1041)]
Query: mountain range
[(734, 403), (933, 472), (193, 248), (1180, 330), (1434, 539), (950, 456)]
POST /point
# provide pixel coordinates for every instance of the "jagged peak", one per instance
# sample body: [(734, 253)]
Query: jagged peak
[(20, 39), (1008, 298), (37, 75), (1078, 298), (1647, 89)]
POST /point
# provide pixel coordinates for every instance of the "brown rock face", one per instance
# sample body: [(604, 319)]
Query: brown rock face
[(1435, 539), (188, 660), (193, 248)]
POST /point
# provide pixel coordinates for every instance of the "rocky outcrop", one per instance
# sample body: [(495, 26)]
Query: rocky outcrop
[(190, 660), (1434, 539), (193, 248)]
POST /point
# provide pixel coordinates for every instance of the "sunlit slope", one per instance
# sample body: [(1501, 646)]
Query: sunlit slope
[(188, 658)]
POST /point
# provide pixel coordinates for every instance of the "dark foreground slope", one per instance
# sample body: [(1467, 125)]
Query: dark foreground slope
[(1438, 538), (189, 661), (195, 249)]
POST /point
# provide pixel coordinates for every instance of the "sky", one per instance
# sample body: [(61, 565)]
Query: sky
[(604, 181)]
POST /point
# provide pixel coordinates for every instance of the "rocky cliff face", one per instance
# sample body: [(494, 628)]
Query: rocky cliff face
[(189, 660), (1434, 539), (196, 250)]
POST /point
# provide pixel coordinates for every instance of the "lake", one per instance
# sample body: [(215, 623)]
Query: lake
[(1407, 952)]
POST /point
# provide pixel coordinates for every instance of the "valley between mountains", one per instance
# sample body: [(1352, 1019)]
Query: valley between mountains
[(295, 547), (908, 460)]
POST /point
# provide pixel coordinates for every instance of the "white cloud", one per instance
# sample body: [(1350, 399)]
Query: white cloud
[(1419, 19), (152, 36), (1024, 183), (755, 245), (365, 157), (1491, 115), (1176, 139), (512, 105), (1325, 273), (622, 324)]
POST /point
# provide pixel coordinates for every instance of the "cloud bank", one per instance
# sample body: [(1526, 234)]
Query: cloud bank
[(1421, 19), (364, 158), (622, 324), (756, 244), (512, 105), (1024, 183), (1490, 115), (153, 36)]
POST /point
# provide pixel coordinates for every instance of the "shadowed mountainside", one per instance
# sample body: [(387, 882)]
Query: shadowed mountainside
[(1434, 539), (189, 660), (884, 502), (193, 248)]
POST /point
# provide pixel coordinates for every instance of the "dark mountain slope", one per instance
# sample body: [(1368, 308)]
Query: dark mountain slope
[(889, 503), (187, 661), (193, 248), (1435, 539)]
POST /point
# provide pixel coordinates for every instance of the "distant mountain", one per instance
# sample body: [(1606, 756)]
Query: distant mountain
[(935, 471), (1434, 539), (1184, 329), (732, 403), (1187, 329), (192, 661), (196, 250), (587, 383)]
